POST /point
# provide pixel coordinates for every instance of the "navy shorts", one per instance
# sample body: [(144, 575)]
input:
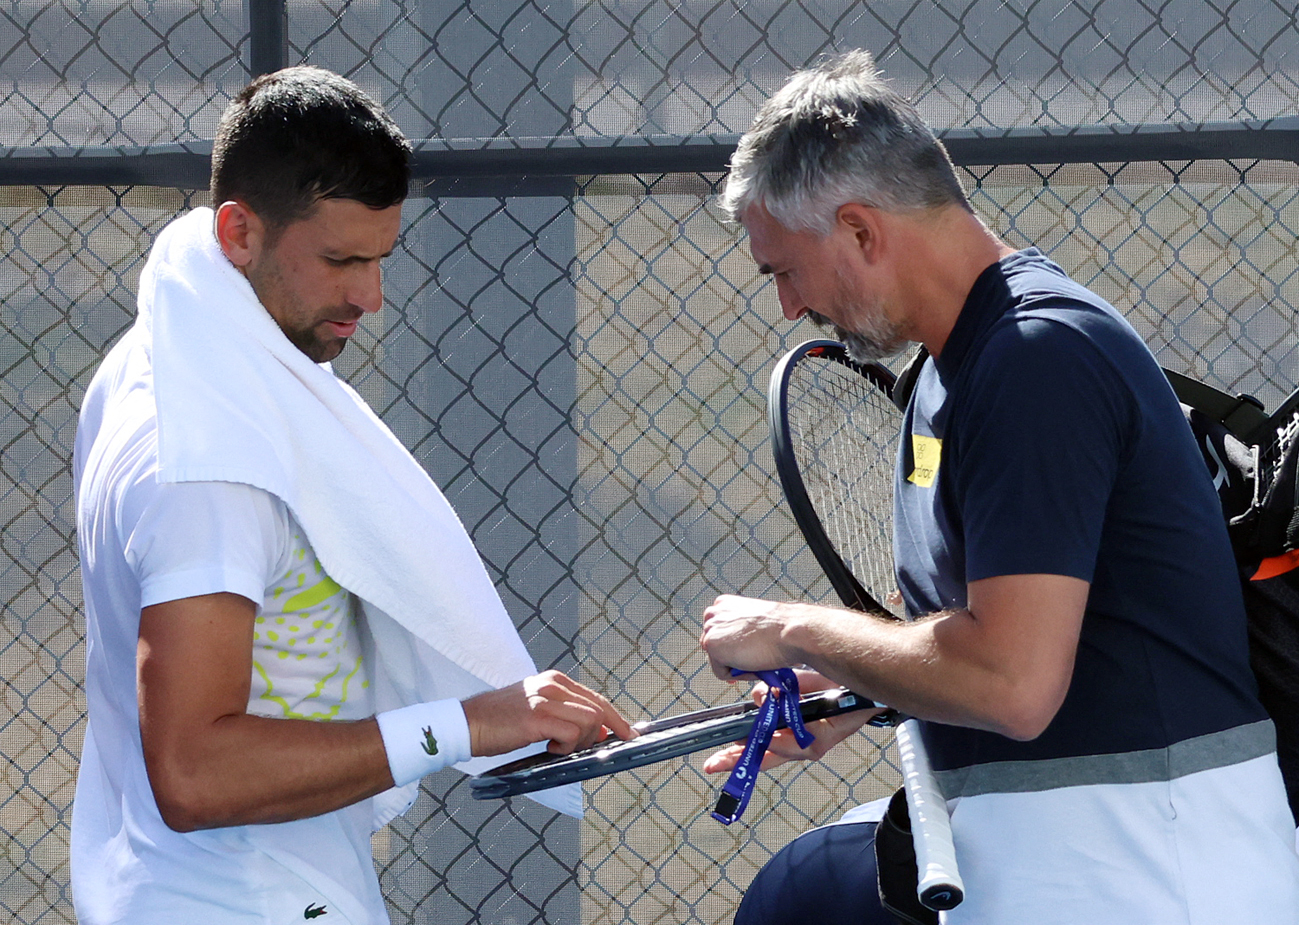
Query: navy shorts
[(826, 876)]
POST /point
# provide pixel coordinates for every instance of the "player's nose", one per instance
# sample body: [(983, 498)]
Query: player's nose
[(367, 288)]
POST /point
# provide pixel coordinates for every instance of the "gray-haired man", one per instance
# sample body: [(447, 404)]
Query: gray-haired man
[(1078, 650)]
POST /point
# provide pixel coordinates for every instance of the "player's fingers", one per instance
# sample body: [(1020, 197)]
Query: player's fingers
[(566, 730), (568, 725), (613, 720), (558, 687)]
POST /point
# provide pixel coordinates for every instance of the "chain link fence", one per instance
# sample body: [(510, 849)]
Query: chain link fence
[(583, 368)]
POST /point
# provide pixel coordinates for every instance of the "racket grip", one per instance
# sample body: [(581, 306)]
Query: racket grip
[(938, 886)]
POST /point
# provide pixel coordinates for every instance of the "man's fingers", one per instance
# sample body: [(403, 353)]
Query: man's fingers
[(810, 681), (784, 747), (723, 760), (729, 757), (569, 726), (720, 670)]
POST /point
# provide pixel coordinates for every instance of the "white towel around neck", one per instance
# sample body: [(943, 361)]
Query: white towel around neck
[(238, 402)]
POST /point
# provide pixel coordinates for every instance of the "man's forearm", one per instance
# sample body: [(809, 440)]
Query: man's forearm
[(920, 668), (1003, 664), (211, 763)]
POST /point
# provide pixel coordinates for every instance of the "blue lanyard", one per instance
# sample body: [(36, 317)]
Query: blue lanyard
[(781, 704)]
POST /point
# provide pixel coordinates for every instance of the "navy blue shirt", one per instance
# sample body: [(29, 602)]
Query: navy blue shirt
[(1061, 449)]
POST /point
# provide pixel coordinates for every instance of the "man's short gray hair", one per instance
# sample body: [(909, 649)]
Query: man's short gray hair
[(836, 134)]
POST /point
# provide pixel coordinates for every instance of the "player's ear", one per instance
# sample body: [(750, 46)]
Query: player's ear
[(240, 233), (863, 223)]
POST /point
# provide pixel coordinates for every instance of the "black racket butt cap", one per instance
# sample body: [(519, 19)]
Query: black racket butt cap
[(942, 897)]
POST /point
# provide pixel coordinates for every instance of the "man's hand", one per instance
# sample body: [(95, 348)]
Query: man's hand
[(1003, 663), (829, 732), (744, 633), (547, 706)]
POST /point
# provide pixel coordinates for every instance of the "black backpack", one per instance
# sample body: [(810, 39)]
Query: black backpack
[(1253, 459)]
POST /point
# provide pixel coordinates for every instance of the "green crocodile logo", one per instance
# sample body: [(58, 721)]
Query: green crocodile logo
[(430, 744), (313, 911)]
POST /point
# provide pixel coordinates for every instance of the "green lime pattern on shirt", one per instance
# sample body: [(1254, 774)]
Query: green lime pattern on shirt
[(290, 713), (310, 664)]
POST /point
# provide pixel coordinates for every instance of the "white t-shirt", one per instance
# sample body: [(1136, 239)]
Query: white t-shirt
[(143, 543)]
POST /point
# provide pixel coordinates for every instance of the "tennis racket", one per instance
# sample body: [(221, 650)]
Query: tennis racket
[(658, 740), (834, 430)]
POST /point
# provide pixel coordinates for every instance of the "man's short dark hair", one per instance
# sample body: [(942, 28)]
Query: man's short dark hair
[(296, 136)]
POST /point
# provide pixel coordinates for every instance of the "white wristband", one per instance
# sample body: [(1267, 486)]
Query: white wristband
[(423, 738)]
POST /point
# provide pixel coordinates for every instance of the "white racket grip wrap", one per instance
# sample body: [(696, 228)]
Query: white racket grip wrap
[(938, 884), (423, 738)]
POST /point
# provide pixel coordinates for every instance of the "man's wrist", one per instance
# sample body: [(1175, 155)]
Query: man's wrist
[(423, 738), (795, 639)]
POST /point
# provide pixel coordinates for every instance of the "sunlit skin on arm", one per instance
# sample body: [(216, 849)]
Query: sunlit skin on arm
[(1003, 664), (211, 763)]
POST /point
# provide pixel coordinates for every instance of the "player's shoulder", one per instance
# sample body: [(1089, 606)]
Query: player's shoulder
[(118, 408)]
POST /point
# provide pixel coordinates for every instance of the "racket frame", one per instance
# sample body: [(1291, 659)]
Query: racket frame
[(939, 885), (841, 578), (659, 740)]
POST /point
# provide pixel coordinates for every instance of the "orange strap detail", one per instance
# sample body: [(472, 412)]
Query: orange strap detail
[(1276, 565)]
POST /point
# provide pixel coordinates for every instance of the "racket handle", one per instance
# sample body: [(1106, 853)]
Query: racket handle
[(938, 886)]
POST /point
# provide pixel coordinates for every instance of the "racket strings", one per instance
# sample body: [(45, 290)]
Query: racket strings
[(844, 430)]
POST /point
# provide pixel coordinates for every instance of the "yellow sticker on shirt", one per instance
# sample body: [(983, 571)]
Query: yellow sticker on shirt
[(925, 451)]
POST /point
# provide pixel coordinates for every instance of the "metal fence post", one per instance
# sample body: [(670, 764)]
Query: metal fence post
[(268, 43)]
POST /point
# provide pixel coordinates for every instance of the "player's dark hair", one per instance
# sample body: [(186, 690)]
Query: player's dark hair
[(303, 134)]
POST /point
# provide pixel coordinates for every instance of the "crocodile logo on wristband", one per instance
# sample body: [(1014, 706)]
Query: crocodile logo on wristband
[(430, 744)]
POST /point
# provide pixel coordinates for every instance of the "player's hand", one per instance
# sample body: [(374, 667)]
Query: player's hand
[(547, 707), (743, 633)]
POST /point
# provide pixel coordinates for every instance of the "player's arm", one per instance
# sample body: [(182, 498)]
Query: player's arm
[(211, 763), (1002, 664)]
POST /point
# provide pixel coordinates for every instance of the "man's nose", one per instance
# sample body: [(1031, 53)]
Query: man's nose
[(790, 302), (366, 291)]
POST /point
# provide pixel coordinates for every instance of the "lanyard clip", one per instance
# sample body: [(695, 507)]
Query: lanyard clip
[(780, 708)]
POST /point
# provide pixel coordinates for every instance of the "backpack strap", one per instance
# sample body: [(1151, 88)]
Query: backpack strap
[(1242, 414), (905, 384)]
